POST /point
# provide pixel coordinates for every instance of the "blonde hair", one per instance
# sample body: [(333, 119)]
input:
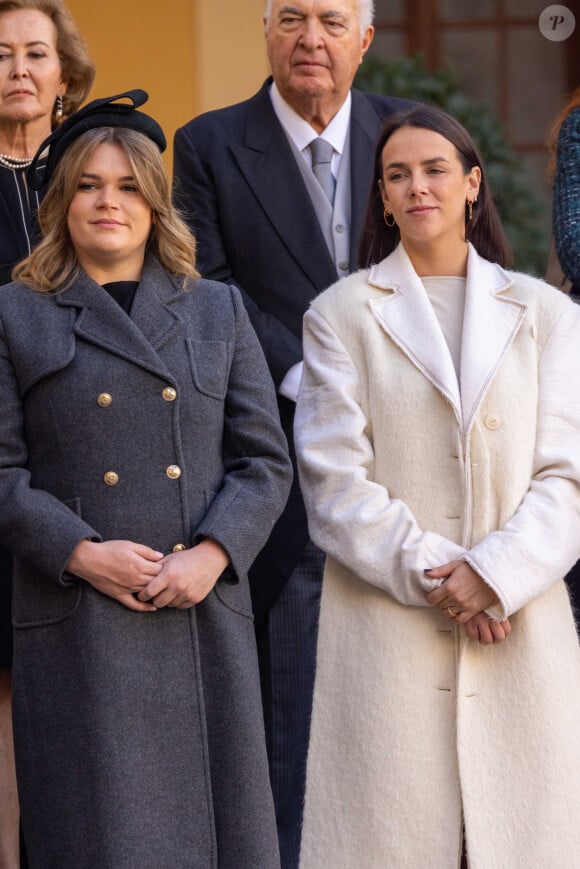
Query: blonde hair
[(77, 68), (54, 264)]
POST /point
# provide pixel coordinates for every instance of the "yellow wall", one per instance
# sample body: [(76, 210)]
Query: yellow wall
[(189, 55)]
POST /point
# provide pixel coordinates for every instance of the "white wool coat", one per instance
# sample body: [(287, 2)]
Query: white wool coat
[(417, 729)]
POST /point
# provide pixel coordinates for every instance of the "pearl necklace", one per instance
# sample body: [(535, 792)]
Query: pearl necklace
[(10, 162)]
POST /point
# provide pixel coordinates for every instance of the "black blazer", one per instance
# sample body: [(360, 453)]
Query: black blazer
[(13, 248), (237, 181), (13, 242)]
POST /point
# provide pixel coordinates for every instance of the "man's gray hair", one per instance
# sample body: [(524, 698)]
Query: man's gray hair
[(366, 14)]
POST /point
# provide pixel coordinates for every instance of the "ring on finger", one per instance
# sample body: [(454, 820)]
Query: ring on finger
[(452, 612)]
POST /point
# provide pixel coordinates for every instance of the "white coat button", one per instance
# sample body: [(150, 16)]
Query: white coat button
[(169, 393), (339, 227), (111, 478), (104, 399), (173, 472), (179, 547), (492, 421), (343, 266)]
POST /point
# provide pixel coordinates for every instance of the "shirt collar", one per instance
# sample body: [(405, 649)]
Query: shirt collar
[(300, 131)]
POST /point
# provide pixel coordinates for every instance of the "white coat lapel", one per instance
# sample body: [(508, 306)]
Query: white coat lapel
[(490, 323), (407, 315)]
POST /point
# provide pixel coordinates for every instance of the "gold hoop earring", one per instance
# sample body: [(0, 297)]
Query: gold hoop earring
[(386, 215), (58, 111)]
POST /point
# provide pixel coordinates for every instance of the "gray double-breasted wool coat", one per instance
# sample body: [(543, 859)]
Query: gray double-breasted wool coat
[(139, 735)]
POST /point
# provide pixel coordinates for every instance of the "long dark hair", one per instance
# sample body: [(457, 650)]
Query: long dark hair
[(484, 230)]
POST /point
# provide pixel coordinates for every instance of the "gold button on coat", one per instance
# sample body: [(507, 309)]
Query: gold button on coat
[(104, 399), (111, 478), (179, 547), (173, 472), (169, 393), (492, 421)]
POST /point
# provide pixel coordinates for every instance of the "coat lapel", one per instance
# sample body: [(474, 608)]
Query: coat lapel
[(154, 309), (407, 316), (101, 321), (266, 161), (490, 323)]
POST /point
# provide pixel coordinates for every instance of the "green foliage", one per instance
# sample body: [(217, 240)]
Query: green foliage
[(513, 189)]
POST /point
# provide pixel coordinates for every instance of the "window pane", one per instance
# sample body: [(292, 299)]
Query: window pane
[(536, 82), (530, 8), (466, 9), (387, 45), (536, 165), (471, 56), (390, 11)]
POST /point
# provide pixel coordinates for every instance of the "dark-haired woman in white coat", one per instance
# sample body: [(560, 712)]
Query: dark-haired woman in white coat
[(437, 431)]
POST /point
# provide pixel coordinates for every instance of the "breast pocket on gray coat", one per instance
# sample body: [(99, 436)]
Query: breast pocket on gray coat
[(210, 367)]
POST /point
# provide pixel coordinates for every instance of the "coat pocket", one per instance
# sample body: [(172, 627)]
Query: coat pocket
[(235, 595), (37, 599), (210, 366), (231, 591)]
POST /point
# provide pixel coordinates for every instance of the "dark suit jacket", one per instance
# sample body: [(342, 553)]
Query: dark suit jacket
[(13, 241), (244, 196), (13, 248)]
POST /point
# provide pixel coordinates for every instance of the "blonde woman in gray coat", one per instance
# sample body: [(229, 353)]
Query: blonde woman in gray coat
[(142, 466), (437, 433)]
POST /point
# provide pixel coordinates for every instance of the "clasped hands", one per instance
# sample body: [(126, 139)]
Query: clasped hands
[(463, 596), (145, 580)]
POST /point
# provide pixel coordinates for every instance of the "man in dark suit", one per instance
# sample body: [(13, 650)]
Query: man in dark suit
[(280, 220)]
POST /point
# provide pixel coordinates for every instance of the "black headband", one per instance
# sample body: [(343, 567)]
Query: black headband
[(106, 112)]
